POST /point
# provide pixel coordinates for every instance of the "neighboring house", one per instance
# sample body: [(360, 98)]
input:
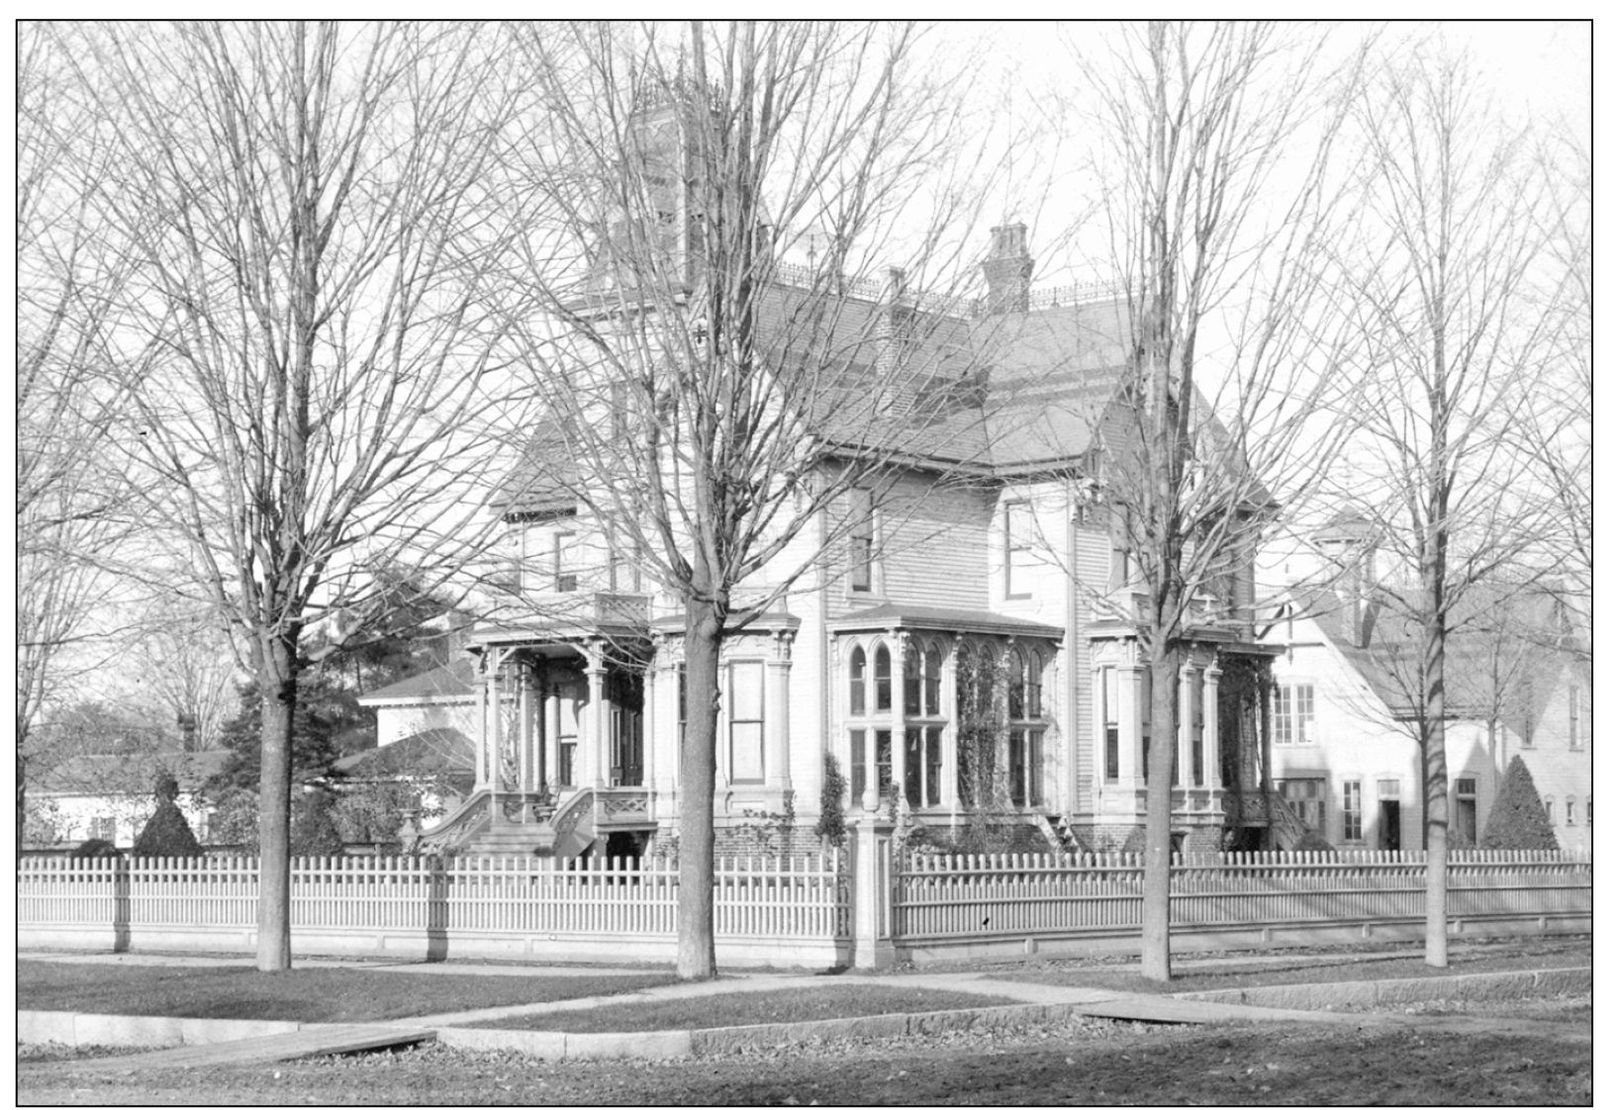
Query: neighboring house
[(1345, 755), (110, 797)]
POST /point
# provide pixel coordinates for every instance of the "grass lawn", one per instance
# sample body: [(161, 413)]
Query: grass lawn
[(1245, 970), (302, 994), (750, 1008)]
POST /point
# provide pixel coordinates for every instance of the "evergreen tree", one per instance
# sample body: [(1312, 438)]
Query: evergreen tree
[(1518, 819), (314, 831), (166, 833)]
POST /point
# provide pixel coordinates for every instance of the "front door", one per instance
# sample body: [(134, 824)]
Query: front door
[(625, 697), (1390, 825)]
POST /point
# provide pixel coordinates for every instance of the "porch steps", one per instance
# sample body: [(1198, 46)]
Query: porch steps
[(1058, 833), (512, 840)]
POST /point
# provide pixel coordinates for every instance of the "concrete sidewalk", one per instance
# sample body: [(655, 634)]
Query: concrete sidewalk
[(1018, 1003)]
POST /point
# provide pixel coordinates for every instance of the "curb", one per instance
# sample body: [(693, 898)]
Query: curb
[(128, 1031), (1485, 986)]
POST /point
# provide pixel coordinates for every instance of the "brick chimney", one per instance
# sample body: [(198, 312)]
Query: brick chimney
[(1008, 270)]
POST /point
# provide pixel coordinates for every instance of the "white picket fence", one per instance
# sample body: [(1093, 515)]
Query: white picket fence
[(944, 898), (790, 912), (767, 910)]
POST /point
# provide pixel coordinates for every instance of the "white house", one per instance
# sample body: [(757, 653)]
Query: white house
[(1344, 750)]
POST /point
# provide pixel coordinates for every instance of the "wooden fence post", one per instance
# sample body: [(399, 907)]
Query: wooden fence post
[(871, 892)]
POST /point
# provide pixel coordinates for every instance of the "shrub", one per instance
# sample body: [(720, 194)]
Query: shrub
[(831, 819), (96, 848), (1518, 819), (314, 832), (166, 832)]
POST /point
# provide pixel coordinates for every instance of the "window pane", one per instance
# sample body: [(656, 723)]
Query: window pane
[(932, 682), (886, 770), (1016, 687), (912, 684), (747, 752), (881, 679), (913, 768), (858, 763), (748, 691), (1033, 760), (932, 741), (858, 683)]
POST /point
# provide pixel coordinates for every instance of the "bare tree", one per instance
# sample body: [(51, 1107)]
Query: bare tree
[(187, 662), (1219, 193), (309, 339), (1557, 436), (709, 403), (68, 521), (1459, 216)]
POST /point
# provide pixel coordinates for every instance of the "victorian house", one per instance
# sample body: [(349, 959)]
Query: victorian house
[(962, 650)]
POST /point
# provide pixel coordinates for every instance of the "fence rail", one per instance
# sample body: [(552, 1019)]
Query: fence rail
[(790, 912), (952, 897), (795, 899)]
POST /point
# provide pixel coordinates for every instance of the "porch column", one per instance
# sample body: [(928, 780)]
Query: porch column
[(526, 727), (777, 731), (898, 714), (668, 729), (481, 765), (949, 786), (1130, 686), (1213, 760), (554, 729), (645, 724), (1185, 726), (594, 729), (492, 718)]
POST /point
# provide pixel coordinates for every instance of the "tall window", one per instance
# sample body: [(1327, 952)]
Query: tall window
[(858, 683), (1196, 725), (1018, 537), (858, 763), (1112, 727), (564, 579), (1464, 810), (881, 680), (1571, 809), (1293, 714), (1025, 729), (921, 766), (1351, 805), (681, 705), (747, 696), (932, 682), (861, 540)]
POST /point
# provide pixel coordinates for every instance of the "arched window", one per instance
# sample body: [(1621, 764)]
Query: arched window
[(881, 679), (1016, 685), (932, 682), (858, 682), (912, 693)]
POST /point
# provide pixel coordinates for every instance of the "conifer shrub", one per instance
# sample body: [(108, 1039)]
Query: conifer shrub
[(1518, 819), (166, 833), (314, 831)]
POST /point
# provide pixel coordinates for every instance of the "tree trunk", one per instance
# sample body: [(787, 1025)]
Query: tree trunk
[(278, 677), (1433, 755), (1156, 959), (695, 907)]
